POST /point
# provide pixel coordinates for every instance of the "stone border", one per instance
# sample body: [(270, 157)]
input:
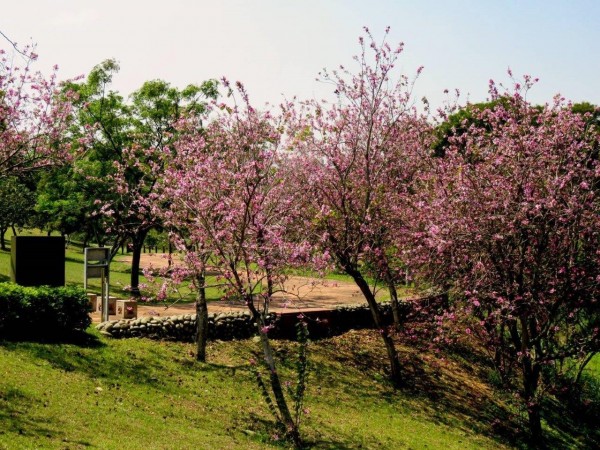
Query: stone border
[(239, 325), (229, 326)]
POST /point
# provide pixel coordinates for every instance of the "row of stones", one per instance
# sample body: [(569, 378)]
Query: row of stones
[(223, 326), (228, 326)]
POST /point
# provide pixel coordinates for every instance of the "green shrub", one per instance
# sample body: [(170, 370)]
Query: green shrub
[(42, 312)]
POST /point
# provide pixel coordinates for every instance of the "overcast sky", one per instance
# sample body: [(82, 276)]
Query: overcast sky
[(277, 47)]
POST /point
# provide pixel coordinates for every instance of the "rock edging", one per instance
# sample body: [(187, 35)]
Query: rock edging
[(239, 325)]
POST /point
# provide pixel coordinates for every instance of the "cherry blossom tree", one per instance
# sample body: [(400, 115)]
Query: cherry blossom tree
[(356, 159), (509, 222), (33, 115), (228, 206)]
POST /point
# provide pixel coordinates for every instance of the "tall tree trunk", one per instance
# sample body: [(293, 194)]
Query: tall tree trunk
[(135, 269), (275, 382), (2, 242), (395, 369), (535, 426), (137, 244), (530, 380), (531, 376), (201, 318)]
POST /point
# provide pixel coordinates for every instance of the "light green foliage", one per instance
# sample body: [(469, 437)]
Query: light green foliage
[(119, 150)]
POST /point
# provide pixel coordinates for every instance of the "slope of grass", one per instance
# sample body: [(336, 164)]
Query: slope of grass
[(129, 394), (133, 394), (136, 393)]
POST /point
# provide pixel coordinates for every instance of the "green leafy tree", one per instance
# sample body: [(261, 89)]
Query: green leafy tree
[(64, 204), (123, 147), (16, 205)]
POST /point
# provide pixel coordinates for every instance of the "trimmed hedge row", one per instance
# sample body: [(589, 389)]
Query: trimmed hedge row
[(47, 312)]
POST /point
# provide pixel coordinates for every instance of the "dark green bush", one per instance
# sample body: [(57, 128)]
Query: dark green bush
[(42, 312)]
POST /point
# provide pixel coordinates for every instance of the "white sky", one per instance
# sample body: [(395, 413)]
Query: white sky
[(277, 47)]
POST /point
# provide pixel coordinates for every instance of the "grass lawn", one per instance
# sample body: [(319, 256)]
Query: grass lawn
[(130, 394), (137, 393), (141, 394)]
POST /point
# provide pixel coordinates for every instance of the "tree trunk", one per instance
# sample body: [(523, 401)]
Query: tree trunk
[(137, 244), (389, 280), (286, 416), (2, 242), (135, 270), (531, 377), (202, 318), (535, 426), (395, 370)]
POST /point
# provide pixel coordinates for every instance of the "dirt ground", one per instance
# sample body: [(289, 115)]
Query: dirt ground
[(307, 294)]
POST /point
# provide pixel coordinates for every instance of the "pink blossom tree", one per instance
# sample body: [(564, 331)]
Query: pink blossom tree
[(355, 161), (228, 206), (509, 222), (33, 115)]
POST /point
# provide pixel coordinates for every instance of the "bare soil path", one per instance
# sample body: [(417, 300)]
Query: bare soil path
[(309, 294)]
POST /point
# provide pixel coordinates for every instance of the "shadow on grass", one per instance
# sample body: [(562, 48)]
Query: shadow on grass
[(74, 260), (458, 393), (576, 408), (95, 359), (458, 388), (268, 432), (16, 418), (453, 390), (82, 339), (15, 406)]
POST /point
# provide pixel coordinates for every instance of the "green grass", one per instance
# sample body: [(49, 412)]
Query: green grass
[(129, 394), (593, 366), (136, 393)]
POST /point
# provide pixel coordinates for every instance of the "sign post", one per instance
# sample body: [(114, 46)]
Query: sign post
[(97, 265)]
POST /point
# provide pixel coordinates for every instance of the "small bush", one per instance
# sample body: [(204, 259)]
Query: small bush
[(42, 312)]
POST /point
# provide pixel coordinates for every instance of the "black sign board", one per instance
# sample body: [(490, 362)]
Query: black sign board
[(38, 260)]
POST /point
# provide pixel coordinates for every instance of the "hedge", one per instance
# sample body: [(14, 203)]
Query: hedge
[(46, 312)]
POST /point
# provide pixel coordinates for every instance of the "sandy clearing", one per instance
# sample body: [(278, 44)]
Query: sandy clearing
[(308, 294)]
